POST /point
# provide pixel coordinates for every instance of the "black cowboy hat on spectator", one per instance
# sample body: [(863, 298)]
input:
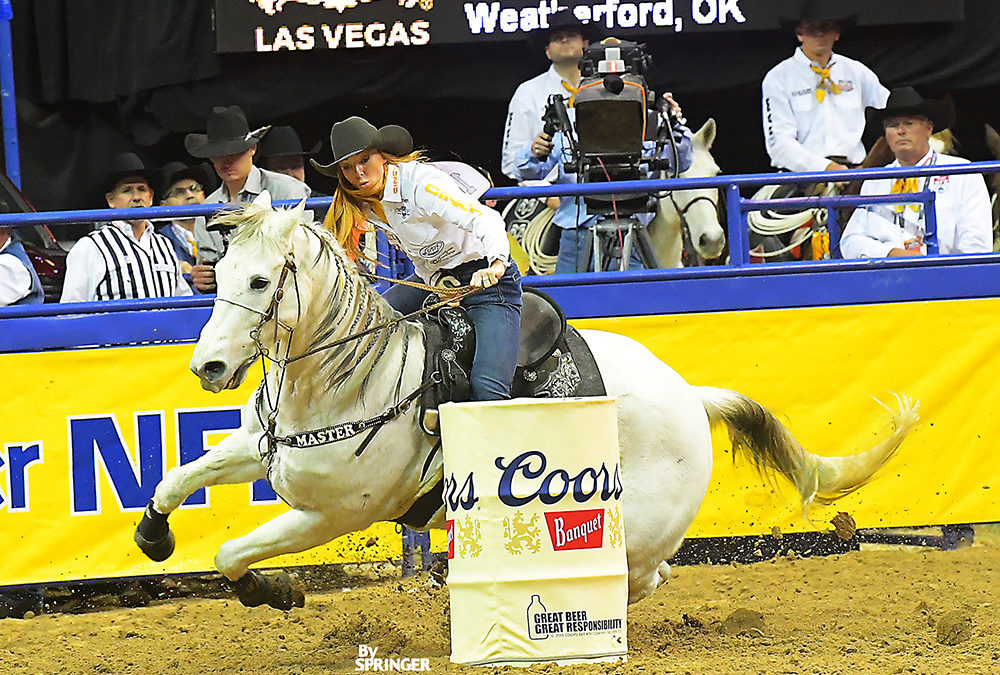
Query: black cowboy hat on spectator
[(819, 10), (228, 134), (174, 172), (906, 101), (355, 134), (282, 141), (129, 165), (538, 39)]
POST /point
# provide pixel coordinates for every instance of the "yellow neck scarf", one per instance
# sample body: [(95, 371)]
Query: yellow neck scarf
[(825, 83), (903, 185)]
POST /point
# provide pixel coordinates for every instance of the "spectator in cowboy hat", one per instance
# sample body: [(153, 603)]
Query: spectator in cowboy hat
[(962, 204), (563, 41), (281, 151), (124, 259), (183, 185), (813, 103), (230, 145)]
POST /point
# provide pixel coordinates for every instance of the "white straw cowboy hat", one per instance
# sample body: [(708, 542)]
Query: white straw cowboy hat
[(228, 134), (355, 134)]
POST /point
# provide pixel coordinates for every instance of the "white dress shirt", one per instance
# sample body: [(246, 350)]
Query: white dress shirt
[(962, 204), (436, 224), (280, 186), (86, 266), (524, 115), (15, 281), (800, 132)]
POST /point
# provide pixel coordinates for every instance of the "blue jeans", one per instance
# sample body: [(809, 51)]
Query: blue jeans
[(572, 252), (496, 314)]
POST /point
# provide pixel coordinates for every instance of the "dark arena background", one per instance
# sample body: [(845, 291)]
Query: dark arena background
[(94, 78)]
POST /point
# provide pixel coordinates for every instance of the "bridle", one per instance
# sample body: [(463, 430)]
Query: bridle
[(343, 430), (682, 214)]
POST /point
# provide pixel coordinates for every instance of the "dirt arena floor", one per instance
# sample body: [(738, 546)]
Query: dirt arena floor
[(878, 611)]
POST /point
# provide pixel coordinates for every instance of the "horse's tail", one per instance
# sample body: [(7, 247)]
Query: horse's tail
[(758, 434)]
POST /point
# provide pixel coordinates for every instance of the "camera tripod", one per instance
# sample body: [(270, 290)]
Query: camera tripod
[(609, 244)]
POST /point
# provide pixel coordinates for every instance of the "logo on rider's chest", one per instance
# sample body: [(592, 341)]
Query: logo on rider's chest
[(403, 210), (432, 249)]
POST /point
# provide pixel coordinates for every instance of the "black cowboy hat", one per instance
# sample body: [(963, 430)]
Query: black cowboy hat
[(538, 39), (128, 165), (906, 101), (228, 134), (282, 141), (175, 172), (355, 134), (819, 10)]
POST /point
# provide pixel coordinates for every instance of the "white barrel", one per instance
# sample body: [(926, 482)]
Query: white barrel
[(536, 531)]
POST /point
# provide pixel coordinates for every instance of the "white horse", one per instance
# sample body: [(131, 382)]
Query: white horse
[(696, 210), (287, 289)]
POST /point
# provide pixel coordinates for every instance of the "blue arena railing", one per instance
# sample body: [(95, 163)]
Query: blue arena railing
[(736, 286)]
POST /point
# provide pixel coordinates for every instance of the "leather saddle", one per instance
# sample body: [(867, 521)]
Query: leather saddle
[(553, 361)]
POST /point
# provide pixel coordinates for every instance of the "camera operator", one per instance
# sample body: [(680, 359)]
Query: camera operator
[(546, 152)]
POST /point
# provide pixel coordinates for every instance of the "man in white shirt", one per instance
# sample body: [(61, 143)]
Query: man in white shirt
[(125, 259), (564, 41), (19, 283), (813, 103), (230, 146), (962, 204)]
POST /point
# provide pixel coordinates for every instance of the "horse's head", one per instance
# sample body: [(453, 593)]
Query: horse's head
[(257, 303), (698, 209)]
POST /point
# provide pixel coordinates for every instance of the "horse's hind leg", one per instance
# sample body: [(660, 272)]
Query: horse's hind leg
[(231, 461), (291, 532)]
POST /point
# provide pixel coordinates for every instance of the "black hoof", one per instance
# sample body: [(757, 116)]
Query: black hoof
[(153, 535), (279, 590)]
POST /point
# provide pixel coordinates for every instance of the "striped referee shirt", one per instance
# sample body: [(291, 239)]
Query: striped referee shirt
[(111, 264)]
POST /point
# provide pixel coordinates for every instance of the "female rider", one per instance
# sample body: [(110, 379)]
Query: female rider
[(384, 185)]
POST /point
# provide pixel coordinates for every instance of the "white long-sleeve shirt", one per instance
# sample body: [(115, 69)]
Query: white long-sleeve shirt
[(524, 115), (962, 204), (15, 280), (800, 132), (87, 267), (436, 224)]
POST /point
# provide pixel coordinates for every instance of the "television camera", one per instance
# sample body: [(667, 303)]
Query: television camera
[(615, 114)]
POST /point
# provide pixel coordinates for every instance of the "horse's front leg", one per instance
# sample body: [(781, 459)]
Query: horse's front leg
[(291, 532), (234, 460)]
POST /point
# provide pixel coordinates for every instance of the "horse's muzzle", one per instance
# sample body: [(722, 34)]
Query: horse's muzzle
[(213, 375)]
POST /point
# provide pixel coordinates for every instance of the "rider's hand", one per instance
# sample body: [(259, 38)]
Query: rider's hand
[(835, 166), (903, 252), (488, 276), (203, 277), (541, 147)]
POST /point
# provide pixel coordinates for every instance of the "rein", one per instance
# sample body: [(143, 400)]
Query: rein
[(344, 430)]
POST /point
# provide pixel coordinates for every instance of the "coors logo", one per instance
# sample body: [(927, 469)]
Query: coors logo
[(574, 530)]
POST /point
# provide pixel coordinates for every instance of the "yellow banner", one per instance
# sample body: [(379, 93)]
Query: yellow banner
[(819, 370), (86, 434)]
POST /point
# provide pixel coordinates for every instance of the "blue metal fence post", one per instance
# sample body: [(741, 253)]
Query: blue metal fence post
[(738, 228), (833, 227), (7, 101), (930, 223)]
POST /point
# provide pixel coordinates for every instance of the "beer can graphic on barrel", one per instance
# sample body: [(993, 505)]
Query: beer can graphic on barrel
[(537, 567)]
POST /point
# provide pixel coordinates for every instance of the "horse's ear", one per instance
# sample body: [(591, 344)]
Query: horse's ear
[(298, 211), (263, 199), (706, 135)]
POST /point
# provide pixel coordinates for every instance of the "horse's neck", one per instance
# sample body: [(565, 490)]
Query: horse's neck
[(361, 374)]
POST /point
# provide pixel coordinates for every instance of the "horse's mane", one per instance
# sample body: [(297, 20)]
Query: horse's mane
[(351, 300)]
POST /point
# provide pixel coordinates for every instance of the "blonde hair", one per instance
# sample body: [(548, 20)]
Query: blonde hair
[(346, 217)]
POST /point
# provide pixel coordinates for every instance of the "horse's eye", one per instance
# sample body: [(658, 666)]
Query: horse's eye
[(259, 283)]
